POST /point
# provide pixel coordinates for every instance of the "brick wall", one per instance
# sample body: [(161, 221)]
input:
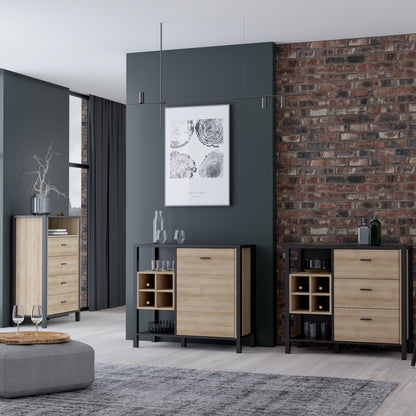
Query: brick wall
[(346, 142)]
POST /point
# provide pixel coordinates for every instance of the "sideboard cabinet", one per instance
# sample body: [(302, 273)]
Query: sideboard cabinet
[(46, 265), (369, 296), (209, 293)]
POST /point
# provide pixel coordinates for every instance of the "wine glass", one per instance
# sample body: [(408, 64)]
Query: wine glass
[(161, 236), (179, 236), (37, 315), (18, 315)]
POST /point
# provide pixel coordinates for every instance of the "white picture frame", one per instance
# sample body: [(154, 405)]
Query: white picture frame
[(197, 155)]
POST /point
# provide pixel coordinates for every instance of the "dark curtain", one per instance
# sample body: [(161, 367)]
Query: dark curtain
[(106, 204)]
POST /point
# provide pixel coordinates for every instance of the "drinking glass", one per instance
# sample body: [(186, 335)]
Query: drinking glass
[(37, 315), (179, 236), (161, 236), (18, 315)]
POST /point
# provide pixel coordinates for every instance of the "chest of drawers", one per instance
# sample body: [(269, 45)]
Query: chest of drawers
[(371, 299), (46, 267)]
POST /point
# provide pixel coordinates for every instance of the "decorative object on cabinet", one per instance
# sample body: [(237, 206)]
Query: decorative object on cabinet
[(40, 201), (197, 156), (46, 265), (364, 299), (210, 293)]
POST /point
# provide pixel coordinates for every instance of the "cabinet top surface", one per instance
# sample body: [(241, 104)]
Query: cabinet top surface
[(348, 246), (152, 245)]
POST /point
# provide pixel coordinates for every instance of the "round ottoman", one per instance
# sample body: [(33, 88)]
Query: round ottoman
[(45, 368)]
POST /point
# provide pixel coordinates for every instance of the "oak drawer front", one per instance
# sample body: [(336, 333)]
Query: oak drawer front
[(366, 264), (366, 293), (206, 292), (63, 246), (63, 265), (367, 325), (206, 261), (63, 284), (63, 303)]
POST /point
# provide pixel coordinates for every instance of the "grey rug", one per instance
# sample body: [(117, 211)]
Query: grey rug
[(125, 390)]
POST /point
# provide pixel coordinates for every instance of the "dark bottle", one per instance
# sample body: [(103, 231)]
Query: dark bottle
[(375, 232)]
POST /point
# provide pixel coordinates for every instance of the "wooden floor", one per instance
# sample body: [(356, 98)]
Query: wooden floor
[(105, 332)]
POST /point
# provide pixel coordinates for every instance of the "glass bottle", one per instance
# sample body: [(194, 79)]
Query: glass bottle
[(363, 233), (158, 225), (375, 232)]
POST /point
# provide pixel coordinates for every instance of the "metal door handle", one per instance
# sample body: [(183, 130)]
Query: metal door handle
[(365, 319), (63, 244), (63, 283), (365, 259), (369, 290), (63, 264), (63, 301), (205, 258)]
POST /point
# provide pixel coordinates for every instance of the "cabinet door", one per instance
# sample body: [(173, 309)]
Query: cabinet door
[(206, 292)]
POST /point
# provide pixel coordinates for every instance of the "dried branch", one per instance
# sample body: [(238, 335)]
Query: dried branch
[(41, 185)]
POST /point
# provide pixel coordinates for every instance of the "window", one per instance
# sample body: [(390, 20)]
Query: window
[(78, 180)]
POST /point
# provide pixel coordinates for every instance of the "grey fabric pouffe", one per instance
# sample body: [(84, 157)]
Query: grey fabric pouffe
[(26, 370)]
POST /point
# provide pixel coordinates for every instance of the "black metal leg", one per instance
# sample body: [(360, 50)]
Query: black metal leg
[(136, 330), (287, 346), (77, 316), (252, 339), (183, 342), (413, 356), (44, 323), (404, 352), (337, 348), (238, 345)]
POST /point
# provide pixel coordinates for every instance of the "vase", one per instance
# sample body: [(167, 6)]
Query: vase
[(40, 204), (158, 225)]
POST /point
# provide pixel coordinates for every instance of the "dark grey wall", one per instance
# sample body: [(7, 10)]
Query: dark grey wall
[(189, 75), (34, 114)]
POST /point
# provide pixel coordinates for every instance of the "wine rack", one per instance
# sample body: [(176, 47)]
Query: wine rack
[(310, 293), (155, 290)]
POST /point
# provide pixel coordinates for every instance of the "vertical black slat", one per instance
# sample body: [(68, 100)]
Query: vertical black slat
[(332, 295), (239, 300), (13, 262), (156, 253), (136, 312), (44, 271), (410, 297), (404, 317), (253, 295), (287, 316), (175, 256), (78, 312)]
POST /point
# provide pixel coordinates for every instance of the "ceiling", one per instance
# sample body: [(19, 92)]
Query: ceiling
[(82, 44)]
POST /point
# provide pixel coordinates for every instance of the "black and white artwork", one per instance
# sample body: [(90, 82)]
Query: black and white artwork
[(197, 155)]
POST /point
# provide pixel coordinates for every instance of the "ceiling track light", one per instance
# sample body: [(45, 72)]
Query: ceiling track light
[(162, 102)]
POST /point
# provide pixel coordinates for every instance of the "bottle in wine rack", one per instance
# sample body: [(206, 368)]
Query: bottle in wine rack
[(323, 305), (322, 286)]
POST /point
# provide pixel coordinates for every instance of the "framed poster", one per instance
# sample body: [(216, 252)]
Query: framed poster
[(197, 156)]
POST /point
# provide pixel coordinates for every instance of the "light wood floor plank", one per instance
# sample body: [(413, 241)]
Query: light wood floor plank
[(105, 332)]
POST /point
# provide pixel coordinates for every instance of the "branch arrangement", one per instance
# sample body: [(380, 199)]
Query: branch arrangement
[(42, 185)]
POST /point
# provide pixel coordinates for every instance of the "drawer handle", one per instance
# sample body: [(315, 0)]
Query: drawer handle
[(205, 258), (63, 244), (366, 319), (63, 301), (63, 283), (365, 259), (362, 288), (63, 264)]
